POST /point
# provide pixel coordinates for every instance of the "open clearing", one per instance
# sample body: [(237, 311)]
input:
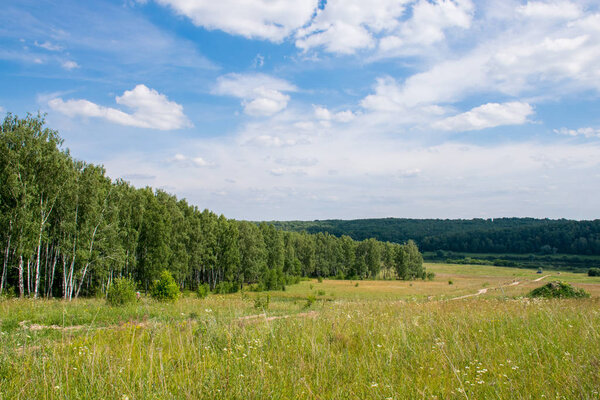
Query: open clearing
[(377, 339)]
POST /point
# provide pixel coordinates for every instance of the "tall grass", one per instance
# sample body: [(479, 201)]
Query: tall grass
[(475, 349)]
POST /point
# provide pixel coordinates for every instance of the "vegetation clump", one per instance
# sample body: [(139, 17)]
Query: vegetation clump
[(165, 288), (203, 290), (558, 290), (594, 272), (122, 291)]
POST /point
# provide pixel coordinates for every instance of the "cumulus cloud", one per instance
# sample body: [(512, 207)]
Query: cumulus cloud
[(585, 132), (337, 26), (261, 94), (186, 161), (150, 110), (558, 58), (69, 65), (323, 114), (344, 26), (487, 115), (427, 26), (552, 9), (272, 20)]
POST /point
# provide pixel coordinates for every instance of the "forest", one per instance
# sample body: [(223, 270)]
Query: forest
[(498, 235), (67, 230)]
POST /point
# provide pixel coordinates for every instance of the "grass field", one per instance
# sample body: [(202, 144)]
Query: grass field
[(374, 340)]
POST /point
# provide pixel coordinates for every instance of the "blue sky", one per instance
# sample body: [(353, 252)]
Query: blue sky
[(306, 109)]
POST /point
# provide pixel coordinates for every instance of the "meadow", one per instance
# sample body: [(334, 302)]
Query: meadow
[(468, 334)]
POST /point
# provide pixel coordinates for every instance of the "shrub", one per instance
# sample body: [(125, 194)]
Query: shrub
[(309, 301), (594, 272), (321, 293), (560, 290), (319, 279), (356, 285), (226, 287), (203, 290), (165, 288), (262, 302), (450, 283), (122, 291), (430, 276)]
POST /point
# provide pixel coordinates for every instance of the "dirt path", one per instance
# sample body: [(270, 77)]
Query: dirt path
[(482, 291), (540, 278), (479, 292), (263, 317)]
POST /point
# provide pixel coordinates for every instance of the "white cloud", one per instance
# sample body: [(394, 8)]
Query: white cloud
[(274, 141), (261, 94), (190, 161), (487, 116), (323, 114), (150, 110), (551, 9), (339, 26), (273, 20), (530, 59), (48, 46), (427, 25), (585, 132), (69, 65)]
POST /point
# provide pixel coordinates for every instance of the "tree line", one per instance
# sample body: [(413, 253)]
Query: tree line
[(68, 230), (498, 235)]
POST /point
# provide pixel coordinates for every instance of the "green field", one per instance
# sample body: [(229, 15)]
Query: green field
[(316, 340)]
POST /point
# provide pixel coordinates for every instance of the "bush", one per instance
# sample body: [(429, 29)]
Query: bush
[(430, 276), (559, 290), (262, 302), (122, 291), (165, 288), (203, 290), (319, 279), (226, 287), (309, 301), (594, 272), (450, 282)]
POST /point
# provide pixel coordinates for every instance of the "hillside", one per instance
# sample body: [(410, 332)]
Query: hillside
[(500, 235)]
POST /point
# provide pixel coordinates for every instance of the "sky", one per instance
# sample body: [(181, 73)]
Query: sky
[(314, 109)]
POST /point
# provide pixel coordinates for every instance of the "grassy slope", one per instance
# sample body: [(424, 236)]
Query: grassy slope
[(380, 339)]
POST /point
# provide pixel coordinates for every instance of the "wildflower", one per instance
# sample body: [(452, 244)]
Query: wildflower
[(374, 384)]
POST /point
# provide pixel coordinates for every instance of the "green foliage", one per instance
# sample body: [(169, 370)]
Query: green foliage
[(262, 302), (203, 290), (430, 276), (321, 293), (498, 235), (594, 272), (226, 287), (310, 301), (122, 291), (66, 229), (558, 289), (165, 288), (319, 279), (450, 282)]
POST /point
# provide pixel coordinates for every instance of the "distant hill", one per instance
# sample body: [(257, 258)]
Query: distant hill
[(499, 235)]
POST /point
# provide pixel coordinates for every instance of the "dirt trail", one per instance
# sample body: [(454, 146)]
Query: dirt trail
[(263, 317), (482, 291), (540, 278), (479, 292)]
